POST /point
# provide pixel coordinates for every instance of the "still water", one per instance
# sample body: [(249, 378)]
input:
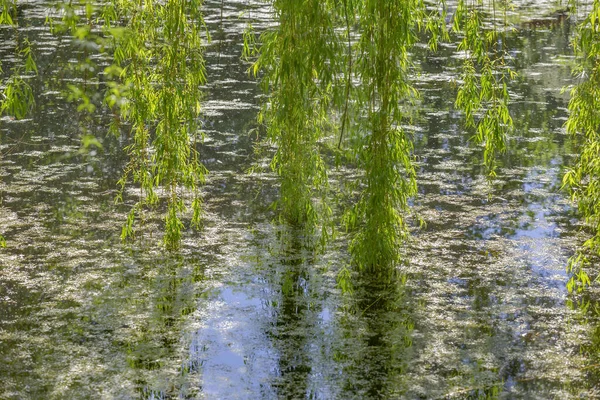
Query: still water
[(246, 310)]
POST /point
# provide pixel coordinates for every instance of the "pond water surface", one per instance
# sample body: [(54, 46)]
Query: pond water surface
[(246, 310)]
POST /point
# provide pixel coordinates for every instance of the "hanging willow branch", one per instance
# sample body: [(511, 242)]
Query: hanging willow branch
[(583, 180), (16, 96), (159, 58), (299, 61), (483, 95), (383, 149), (348, 8)]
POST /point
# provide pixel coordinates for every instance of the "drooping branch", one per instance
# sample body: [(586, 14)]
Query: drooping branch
[(583, 179), (384, 150), (349, 74), (299, 59), (483, 94), (159, 59)]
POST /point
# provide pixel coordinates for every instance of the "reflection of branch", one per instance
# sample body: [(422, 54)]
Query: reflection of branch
[(590, 366), (54, 55), (18, 142), (372, 304), (462, 391)]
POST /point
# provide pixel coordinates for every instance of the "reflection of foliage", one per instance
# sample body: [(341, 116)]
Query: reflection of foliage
[(375, 348), (588, 313), (583, 179), (295, 313), (477, 393), (154, 325)]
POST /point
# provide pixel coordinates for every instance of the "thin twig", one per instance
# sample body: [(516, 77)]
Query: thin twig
[(349, 75)]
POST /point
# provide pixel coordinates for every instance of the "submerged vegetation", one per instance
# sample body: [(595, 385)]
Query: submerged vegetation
[(336, 74)]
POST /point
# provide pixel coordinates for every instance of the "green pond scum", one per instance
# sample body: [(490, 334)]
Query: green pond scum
[(289, 199)]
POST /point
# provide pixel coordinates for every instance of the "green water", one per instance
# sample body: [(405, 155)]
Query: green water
[(246, 310)]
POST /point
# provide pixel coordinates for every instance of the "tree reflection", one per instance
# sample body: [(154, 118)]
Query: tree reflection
[(295, 317), (375, 346), (588, 308)]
